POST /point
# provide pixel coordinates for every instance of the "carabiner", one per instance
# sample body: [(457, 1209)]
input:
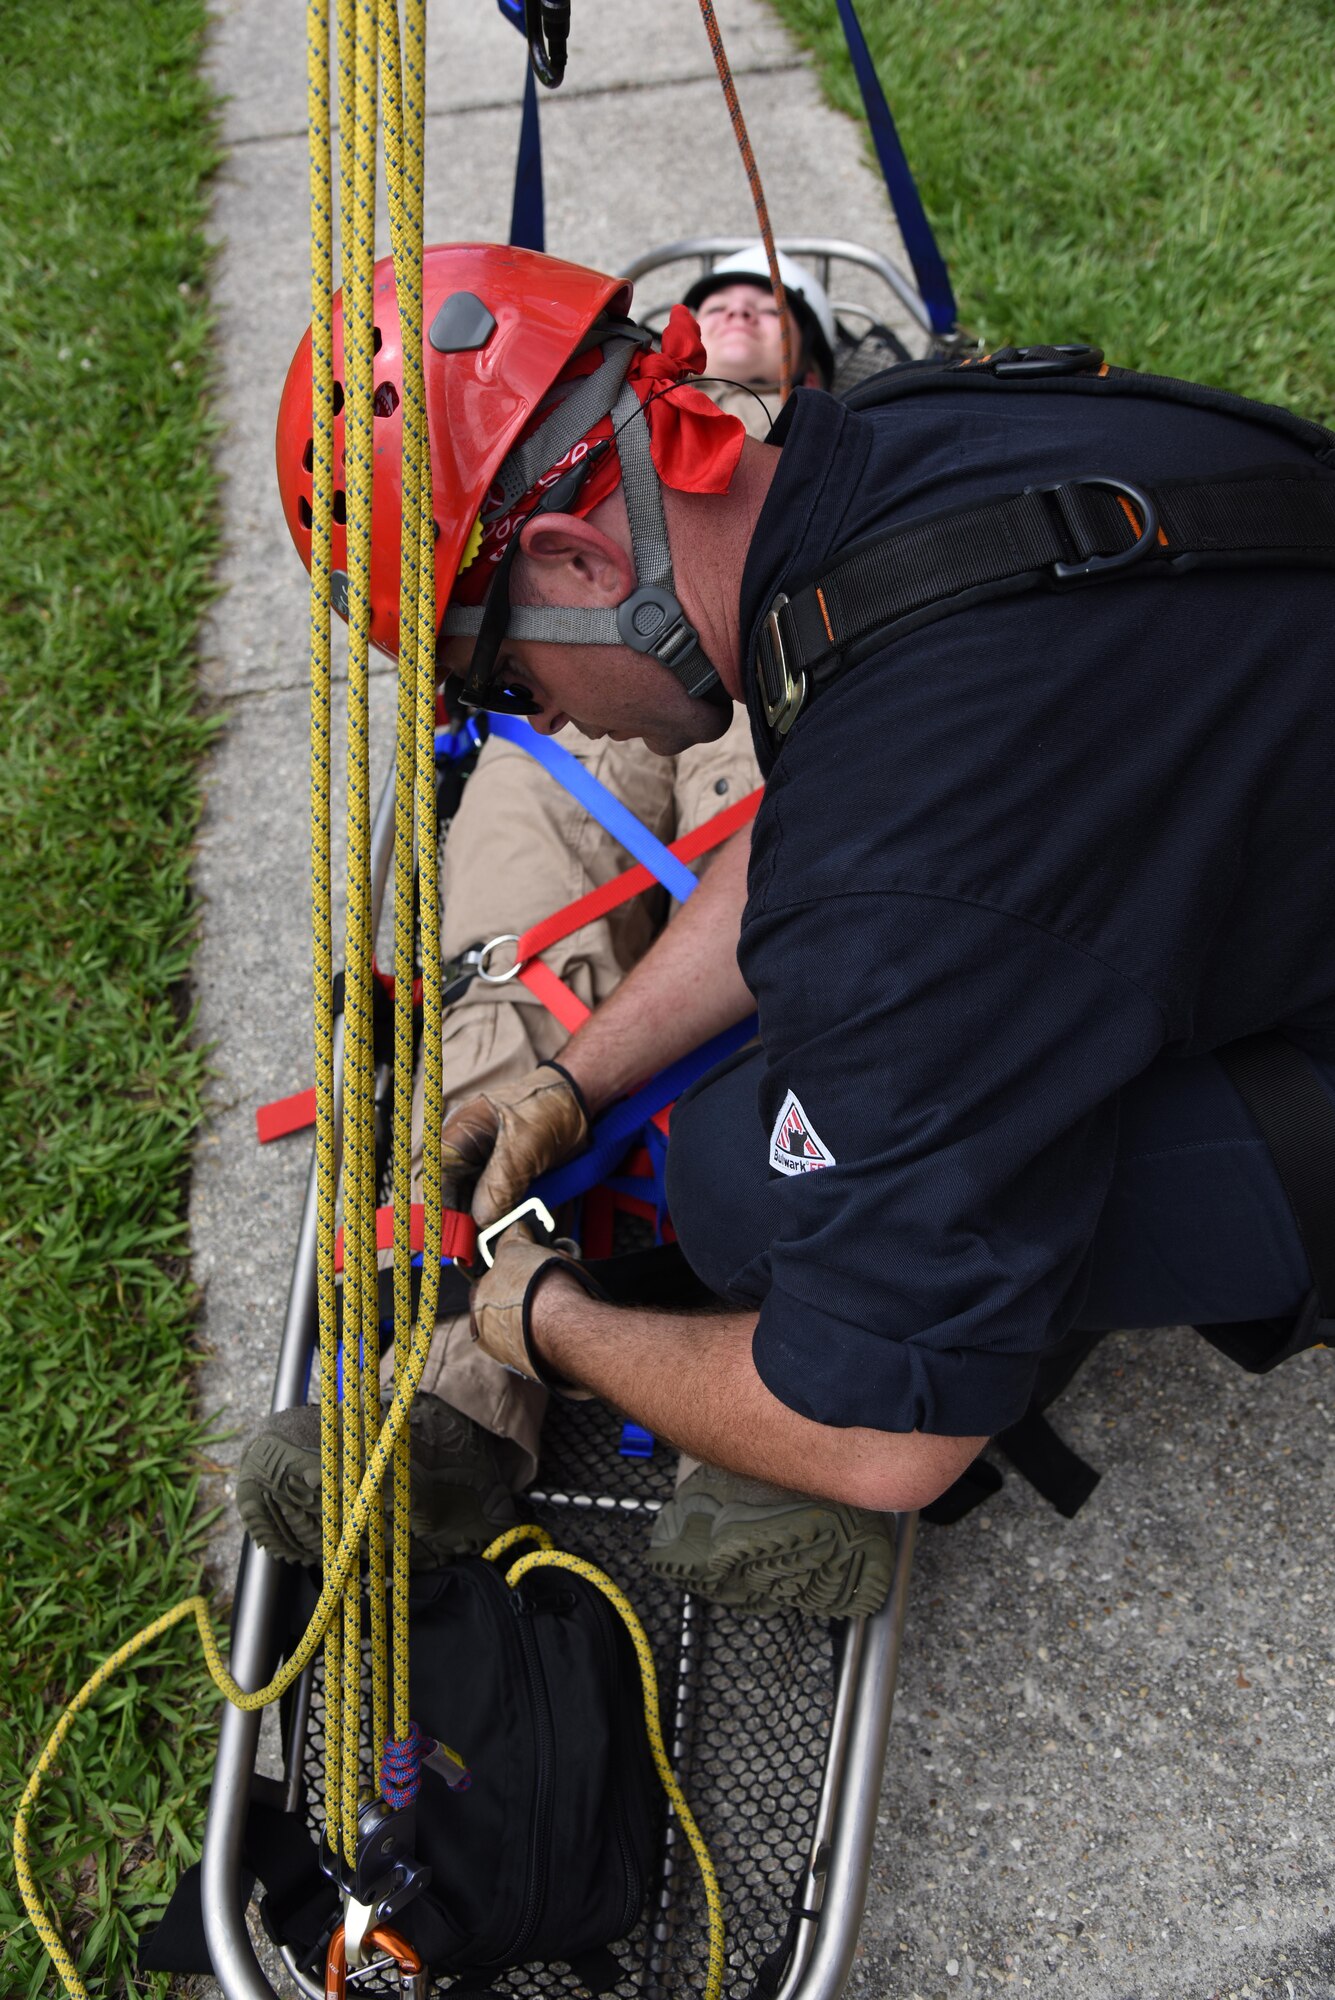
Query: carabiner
[(395, 1951), (547, 25)]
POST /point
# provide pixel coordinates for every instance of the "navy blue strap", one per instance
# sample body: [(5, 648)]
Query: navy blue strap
[(528, 229), (929, 266), (616, 1130), (605, 806)]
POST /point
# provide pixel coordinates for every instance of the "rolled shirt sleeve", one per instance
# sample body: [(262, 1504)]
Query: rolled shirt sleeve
[(960, 1066)]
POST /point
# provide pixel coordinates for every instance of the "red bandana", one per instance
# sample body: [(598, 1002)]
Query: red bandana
[(695, 446)]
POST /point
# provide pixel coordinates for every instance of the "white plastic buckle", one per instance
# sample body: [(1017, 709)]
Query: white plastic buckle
[(533, 1206)]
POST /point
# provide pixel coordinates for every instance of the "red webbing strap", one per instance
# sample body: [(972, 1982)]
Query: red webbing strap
[(565, 1006), (294, 1114), (555, 995), (587, 909), (284, 1115), (458, 1233)]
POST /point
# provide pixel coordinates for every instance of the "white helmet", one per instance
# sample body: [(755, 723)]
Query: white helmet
[(805, 294)]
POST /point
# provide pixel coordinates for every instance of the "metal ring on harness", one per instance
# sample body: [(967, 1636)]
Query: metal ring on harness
[(484, 953), (1094, 565)]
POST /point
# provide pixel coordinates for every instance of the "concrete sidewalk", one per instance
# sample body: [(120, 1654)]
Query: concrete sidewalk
[(1108, 1772)]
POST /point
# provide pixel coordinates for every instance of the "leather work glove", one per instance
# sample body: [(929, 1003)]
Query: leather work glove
[(503, 1138), (502, 1304)]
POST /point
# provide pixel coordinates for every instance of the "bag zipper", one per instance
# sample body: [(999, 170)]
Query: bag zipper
[(540, 1837)]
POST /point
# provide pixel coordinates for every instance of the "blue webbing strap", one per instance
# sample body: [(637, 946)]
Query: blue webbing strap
[(614, 1132), (454, 743), (929, 266), (528, 228), (606, 808)]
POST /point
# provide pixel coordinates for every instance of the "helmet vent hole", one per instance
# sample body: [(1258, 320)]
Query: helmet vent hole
[(308, 456), (377, 340), (340, 506), (338, 397), (304, 511), (386, 400)]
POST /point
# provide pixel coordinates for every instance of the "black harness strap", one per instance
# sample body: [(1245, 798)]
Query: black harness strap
[(1088, 529), (1084, 530), (1060, 1475), (1281, 1089)]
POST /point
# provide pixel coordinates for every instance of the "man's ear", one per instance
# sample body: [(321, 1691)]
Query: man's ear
[(575, 563)]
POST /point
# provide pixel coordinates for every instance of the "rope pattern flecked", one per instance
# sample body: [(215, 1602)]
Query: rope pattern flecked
[(761, 206), (351, 1486), (367, 39), (322, 966)]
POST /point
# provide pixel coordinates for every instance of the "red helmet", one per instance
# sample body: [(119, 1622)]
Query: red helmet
[(500, 325)]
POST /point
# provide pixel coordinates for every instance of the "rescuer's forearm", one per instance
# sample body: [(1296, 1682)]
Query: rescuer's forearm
[(689, 1377), (686, 988)]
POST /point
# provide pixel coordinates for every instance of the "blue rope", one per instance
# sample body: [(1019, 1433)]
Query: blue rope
[(929, 266), (606, 808)]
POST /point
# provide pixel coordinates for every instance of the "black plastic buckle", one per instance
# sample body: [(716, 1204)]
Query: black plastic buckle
[(1067, 358), (547, 26), (1064, 572)]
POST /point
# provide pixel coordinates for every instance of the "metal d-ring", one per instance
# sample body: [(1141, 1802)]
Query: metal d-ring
[(484, 953)]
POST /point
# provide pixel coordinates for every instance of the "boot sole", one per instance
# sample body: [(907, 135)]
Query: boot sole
[(826, 1561), (278, 1499)]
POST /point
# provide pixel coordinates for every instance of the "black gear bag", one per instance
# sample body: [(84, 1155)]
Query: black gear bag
[(550, 1850)]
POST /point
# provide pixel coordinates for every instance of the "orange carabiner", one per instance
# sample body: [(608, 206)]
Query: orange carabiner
[(412, 1973)]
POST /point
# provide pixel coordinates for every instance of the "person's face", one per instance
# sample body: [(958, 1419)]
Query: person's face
[(743, 334), (603, 691)]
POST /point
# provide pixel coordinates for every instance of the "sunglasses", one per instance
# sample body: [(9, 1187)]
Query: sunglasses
[(500, 697)]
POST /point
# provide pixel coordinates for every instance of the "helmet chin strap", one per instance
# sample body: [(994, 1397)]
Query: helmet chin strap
[(651, 619)]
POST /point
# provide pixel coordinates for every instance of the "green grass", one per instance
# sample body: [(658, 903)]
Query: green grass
[(1159, 179), (108, 532)]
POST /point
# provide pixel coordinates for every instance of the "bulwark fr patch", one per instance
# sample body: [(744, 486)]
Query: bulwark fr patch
[(795, 1146)]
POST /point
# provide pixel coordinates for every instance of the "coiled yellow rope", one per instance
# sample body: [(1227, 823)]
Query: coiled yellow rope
[(548, 1556), (32, 1901)]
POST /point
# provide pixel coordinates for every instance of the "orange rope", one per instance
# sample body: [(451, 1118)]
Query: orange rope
[(720, 56)]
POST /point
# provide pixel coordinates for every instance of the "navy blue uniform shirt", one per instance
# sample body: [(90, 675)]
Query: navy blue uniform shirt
[(1000, 868)]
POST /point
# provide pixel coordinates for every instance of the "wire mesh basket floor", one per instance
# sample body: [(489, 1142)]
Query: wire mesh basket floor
[(746, 1705)]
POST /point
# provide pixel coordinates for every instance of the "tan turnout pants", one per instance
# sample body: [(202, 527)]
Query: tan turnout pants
[(519, 849)]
